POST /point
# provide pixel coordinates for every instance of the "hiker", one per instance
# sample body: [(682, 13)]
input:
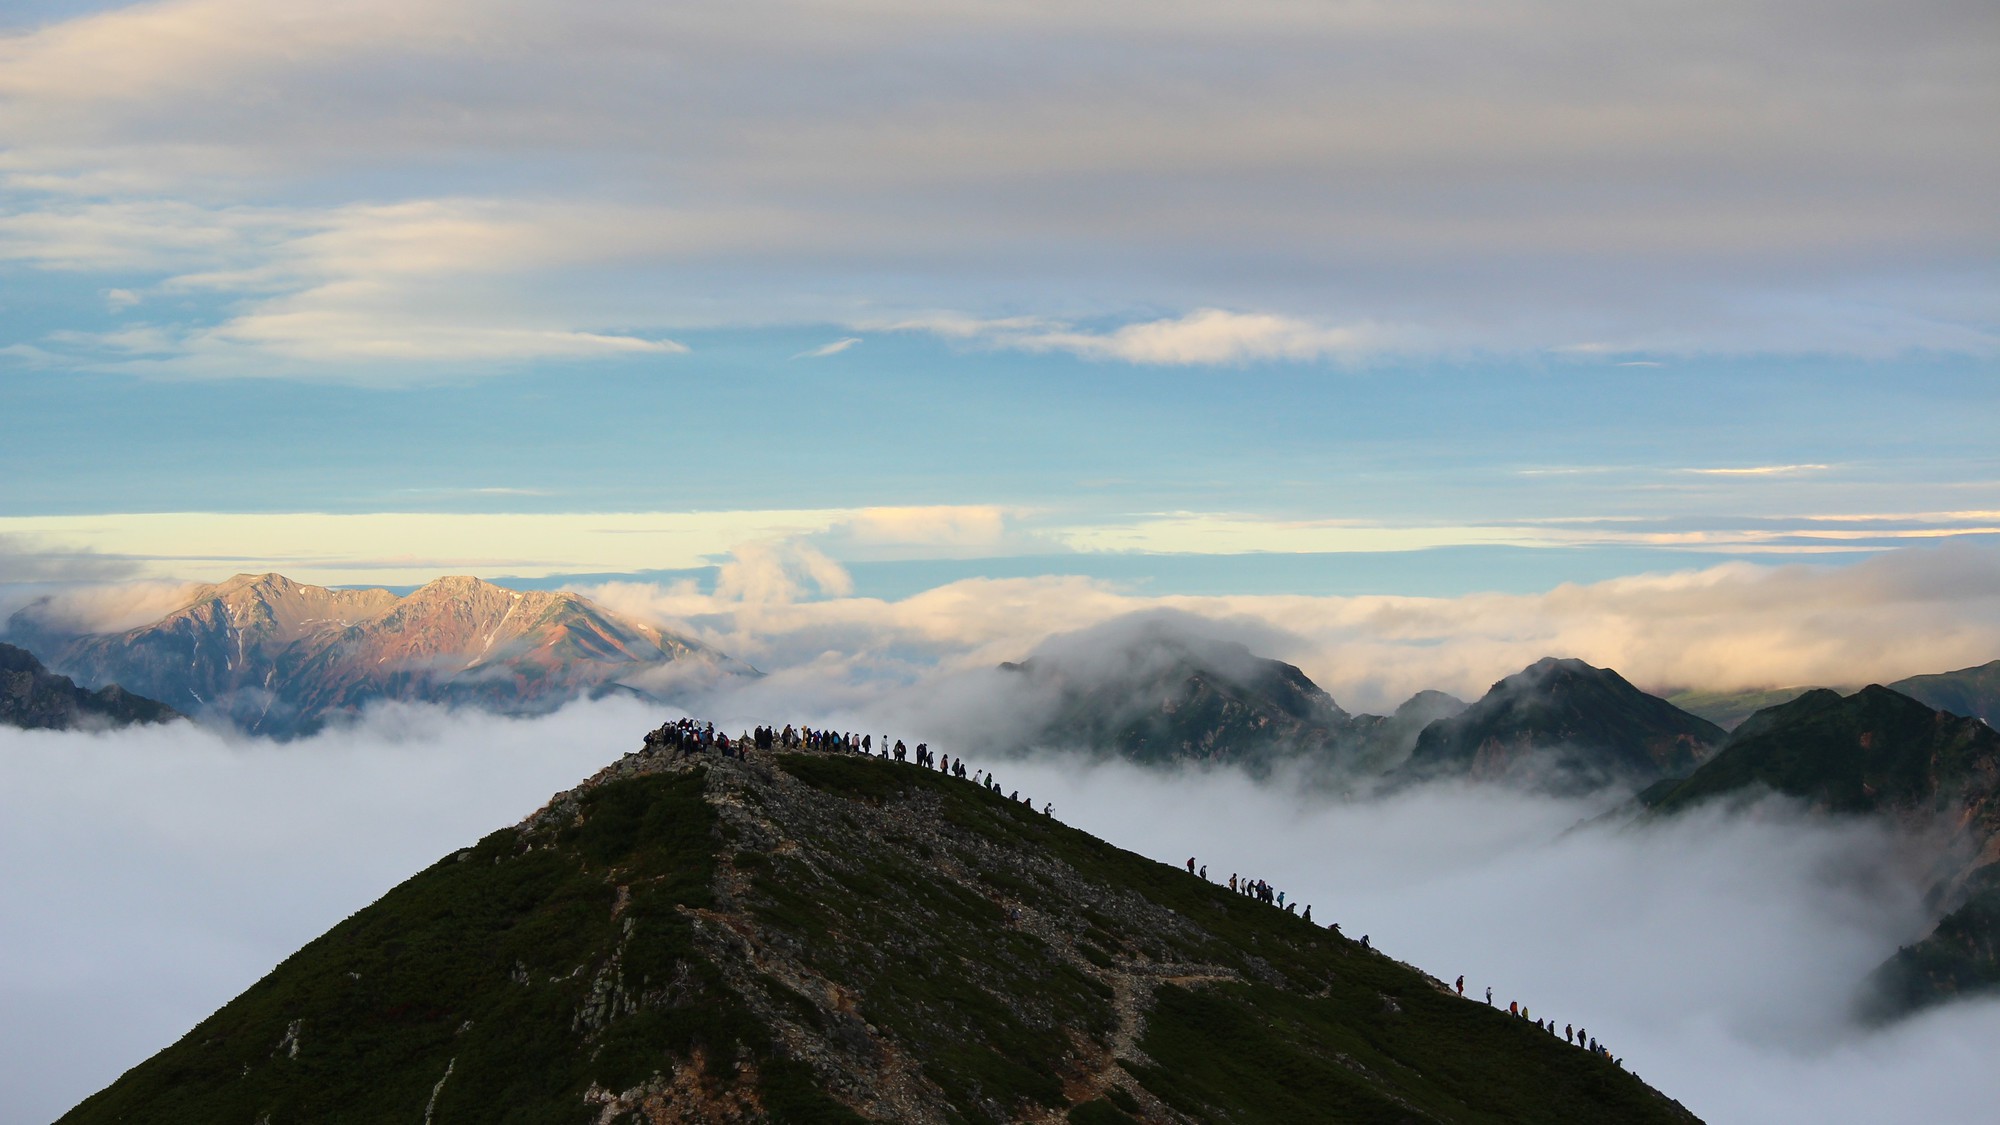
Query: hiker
[(1232, 880), (1335, 927), (1461, 984), (1281, 898), (1048, 809), (1309, 912), (1569, 1033), (1204, 872), (1190, 865), (1364, 942), (1489, 996), (1292, 909), (1513, 1007)]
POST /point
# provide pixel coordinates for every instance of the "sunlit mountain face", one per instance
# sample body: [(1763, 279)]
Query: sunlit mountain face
[(273, 656)]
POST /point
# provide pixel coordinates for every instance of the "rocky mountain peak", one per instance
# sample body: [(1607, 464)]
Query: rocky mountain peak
[(276, 656), (1565, 724)]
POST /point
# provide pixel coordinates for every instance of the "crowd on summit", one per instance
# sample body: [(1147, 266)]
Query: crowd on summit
[(686, 737)]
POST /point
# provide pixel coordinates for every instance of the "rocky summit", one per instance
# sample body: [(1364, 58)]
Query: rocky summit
[(1566, 726), (277, 657), (827, 937), (31, 696)]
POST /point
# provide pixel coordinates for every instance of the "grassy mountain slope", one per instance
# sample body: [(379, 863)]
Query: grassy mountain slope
[(1973, 692), (833, 938), (31, 696), (1874, 751)]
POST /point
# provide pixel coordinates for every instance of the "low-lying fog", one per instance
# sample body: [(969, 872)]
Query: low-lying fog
[(157, 872)]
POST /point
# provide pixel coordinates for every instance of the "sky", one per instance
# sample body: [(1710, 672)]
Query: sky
[(1429, 298), (875, 342)]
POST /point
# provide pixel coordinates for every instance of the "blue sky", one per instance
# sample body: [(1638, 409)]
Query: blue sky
[(1316, 299)]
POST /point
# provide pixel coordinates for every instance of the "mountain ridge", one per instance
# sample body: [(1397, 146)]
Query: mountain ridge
[(1565, 724), (1879, 752), (34, 698), (829, 937), (274, 656)]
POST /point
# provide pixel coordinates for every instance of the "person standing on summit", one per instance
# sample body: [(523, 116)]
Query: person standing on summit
[(1190, 865)]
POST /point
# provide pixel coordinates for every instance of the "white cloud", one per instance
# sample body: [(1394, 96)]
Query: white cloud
[(1735, 626), (834, 348), (154, 873), (1493, 176), (1760, 470), (1203, 337), (157, 872)]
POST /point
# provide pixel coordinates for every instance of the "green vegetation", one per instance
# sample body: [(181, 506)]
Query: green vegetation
[(1973, 692), (1959, 958), (478, 968), (1879, 751), (1871, 751), (827, 939), (1299, 1024)]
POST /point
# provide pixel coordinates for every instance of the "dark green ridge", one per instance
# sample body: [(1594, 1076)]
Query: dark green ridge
[(1972, 692), (1880, 752), (1960, 958), (1874, 751), (1567, 725), (33, 697), (826, 938)]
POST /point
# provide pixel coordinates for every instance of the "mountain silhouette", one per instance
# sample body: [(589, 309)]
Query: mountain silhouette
[(1565, 725)]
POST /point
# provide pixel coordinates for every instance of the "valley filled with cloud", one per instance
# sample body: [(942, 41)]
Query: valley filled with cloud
[(157, 872)]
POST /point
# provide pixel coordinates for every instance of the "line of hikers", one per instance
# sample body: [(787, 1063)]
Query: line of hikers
[(1265, 893), (1572, 1034), (686, 736)]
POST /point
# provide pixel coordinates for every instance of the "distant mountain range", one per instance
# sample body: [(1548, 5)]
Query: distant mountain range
[(33, 697), (1168, 696), (1972, 692), (830, 938), (278, 657)]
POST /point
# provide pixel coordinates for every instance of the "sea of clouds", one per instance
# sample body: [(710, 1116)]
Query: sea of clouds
[(154, 873)]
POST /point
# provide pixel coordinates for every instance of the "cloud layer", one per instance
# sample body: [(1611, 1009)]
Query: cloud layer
[(1733, 626), (155, 872), (436, 182)]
